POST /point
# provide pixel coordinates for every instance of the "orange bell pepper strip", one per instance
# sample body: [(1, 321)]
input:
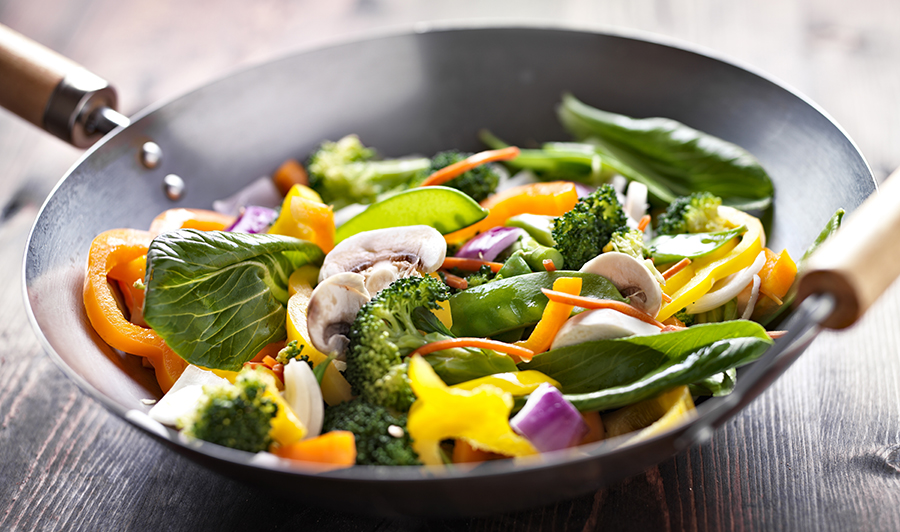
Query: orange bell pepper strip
[(200, 219), (126, 275), (777, 275), (332, 450), (554, 317), (549, 199), (108, 250)]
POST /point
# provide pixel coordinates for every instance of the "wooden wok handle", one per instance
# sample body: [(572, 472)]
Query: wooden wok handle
[(53, 92), (859, 262)]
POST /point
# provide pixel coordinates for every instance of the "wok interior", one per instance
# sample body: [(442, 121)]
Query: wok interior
[(412, 94)]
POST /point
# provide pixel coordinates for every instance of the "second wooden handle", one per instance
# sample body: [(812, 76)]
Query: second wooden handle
[(861, 260)]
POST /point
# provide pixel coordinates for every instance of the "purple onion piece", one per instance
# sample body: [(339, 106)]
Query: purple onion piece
[(261, 192), (548, 421), (583, 190), (254, 219), (490, 243)]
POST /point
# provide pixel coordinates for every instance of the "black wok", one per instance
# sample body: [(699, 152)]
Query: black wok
[(420, 93)]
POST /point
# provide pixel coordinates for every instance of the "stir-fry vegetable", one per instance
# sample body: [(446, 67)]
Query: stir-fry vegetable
[(446, 322)]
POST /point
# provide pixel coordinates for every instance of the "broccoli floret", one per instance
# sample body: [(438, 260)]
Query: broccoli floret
[(384, 332), (377, 443), (291, 351), (581, 233), (628, 241), (346, 172), (478, 183), (235, 415), (697, 213), (685, 318)]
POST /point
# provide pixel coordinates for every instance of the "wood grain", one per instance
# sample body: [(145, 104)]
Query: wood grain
[(818, 451)]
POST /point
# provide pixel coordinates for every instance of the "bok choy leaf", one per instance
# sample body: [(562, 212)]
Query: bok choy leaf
[(216, 297)]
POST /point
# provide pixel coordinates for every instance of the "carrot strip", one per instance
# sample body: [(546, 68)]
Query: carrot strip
[(645, 221), (456, 169), (481, 343), (554, 317), (470, 265), (666, 298), (776, 334), (548, 265), (594, 303), (454, 281), (771, 296), (680, 265), (269, 361), (290, 173)]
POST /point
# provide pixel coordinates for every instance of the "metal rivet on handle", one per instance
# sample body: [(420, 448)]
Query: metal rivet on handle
[(151, 154), (173, 186)]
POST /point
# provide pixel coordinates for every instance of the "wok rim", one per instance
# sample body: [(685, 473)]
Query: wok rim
[(419, 474)]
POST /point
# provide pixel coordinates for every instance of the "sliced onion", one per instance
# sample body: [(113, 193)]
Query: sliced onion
[(636, 201), (728, 288), (583, 190), (181, 400), (260, 192), (754, 297), (548, 421), (254, 219), (490, 243), (303, 394)]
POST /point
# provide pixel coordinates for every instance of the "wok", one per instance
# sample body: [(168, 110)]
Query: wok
[(422, 92)]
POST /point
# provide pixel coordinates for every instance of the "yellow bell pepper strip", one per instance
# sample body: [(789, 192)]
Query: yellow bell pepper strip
[(480, 416), (448, 173), (200, 219), (332, 450), (554, 198), (286, 427), (108, 250), (335, 388), (554, 317), (777, 275), (652, 416), (304, 216), (698, 278), (518, 383)]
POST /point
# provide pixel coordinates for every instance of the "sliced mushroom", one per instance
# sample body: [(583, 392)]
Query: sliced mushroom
[(600, 324), (333, 306), (630, 277), (384, 255)]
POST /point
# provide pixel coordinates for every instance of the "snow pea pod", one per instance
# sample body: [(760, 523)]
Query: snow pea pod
[(507, 304), (672, 248)]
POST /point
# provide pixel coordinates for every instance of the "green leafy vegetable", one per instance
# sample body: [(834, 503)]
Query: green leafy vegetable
[(217, 298), (610, 373), (716, 386), (672, 248), (446, 209), (669, 157)]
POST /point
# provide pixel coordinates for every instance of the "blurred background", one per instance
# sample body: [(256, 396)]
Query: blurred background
[(93, 472)]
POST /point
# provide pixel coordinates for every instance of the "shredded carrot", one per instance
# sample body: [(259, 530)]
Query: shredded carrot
[(594, 303), (645, 221), (454, 281), (548, 265), (673, 328), (269, 361), (456, 169), (470, 265), (680, 265), (776, 334), (481, 343), (666, 298), (553, 318)]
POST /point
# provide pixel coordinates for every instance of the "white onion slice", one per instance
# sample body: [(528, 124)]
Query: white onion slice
[(181, 400), (727, 288), (303, 395), (636, 201), (754, 297)]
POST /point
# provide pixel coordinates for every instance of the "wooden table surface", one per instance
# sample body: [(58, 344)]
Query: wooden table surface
[(820, 450)]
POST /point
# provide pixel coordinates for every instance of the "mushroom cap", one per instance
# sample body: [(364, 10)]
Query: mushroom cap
[(333, 306), (630, 277), (384, 255), (600, 324)]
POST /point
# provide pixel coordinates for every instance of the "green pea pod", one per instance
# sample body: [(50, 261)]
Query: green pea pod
[(539, 227), (535, 254), (515, 302), (665, 249), (514, 265), (446, 209)]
